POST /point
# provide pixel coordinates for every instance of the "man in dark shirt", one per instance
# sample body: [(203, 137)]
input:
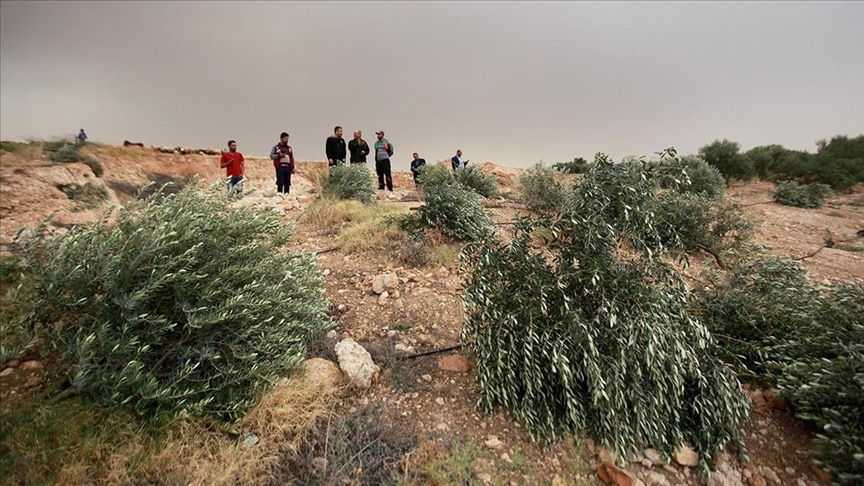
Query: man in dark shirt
[(359, 148), (415, 167), (335, 148)]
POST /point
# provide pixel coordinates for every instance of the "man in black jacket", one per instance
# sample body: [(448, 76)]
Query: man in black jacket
[(359, 148), (335, 148), (457, 162)]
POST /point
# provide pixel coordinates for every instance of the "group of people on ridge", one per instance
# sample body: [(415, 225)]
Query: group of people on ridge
[(337, 152)]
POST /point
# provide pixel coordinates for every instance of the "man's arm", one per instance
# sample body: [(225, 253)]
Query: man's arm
[(223, 162), (328, 149)]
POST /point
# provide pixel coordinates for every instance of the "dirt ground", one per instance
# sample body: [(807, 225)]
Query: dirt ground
[(425, 315)]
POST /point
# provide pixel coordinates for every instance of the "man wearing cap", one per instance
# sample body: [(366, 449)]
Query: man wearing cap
[(283, 160), (335, 148), (383, 152)]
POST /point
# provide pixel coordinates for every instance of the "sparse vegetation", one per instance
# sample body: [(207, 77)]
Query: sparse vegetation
[(540, 190), (577, 166), (348, 181), (593, 332), (475, 179), (812, 195), (692, 222), (181, 306), (434, 175), (87, 196), (690, 174), (69, 153), (12, 147)]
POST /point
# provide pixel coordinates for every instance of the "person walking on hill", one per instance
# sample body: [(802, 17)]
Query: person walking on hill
[(457, 162), (82, 137), (359, 148), (335, 148), (234, 164), (415, 167), (383, 152), (283, 160)]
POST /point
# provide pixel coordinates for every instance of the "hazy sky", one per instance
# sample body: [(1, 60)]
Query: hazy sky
[(509, 82)]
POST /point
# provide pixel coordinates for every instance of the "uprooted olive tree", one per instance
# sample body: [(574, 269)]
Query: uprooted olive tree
[(590, 332)]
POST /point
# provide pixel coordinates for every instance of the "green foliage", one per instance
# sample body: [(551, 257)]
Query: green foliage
[(690, 174), (592, 333), (838, 163), (758, 301), (691, 222), (184, 304), (540, 190), (819, 367), (456, 211), (434, 175), (87, 196), (577, 166), (347, 181), (475, 179), (69, 153), (812, 195), (12, 147), (726, 156)]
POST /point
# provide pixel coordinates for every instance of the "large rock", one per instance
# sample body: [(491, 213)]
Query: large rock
[(356, 363), (456, 364), (325, 372), (387, 281)]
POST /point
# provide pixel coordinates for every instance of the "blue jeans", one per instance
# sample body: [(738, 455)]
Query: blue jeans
[(235, 182)]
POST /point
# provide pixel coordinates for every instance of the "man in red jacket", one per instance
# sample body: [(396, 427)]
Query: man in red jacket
[(283, 160), (234, 164)]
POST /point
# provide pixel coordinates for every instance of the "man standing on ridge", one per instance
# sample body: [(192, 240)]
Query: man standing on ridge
[(82, 137), (383, 152), (234, 164), (415, 167), (335, 148), (457, 162), (283, 160), (359, 148)]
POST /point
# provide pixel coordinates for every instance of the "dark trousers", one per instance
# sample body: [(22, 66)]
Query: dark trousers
[(283, 179), (382, 167)]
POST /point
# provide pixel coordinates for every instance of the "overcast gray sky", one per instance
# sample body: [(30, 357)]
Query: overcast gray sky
[(508, 82)]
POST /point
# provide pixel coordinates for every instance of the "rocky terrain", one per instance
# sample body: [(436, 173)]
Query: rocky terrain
[(390, 315)]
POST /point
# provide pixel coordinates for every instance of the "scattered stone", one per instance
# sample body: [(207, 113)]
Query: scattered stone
[(456, 364), (7, 372), (342, 308), (802, 482), (387, 281), (506, 458), (442, 426), (486, 478), (323, 371), (670, 469), (612, 476), (747, 473), (654, 456), (685, 456), (492, 442), (427, 377), (557, 481), (13, 363), (756, 480), (790, 471), (382, 299), (326, 272), (391, 333), (440, 401), (606, 455), (658, 479), (249, 440), (396, 294), (332, 334), (820, 473), (646, 463), (356, 362), (758, 397), (31, 365)]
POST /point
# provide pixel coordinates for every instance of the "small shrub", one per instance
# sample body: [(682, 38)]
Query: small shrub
[(692, 222), (54, 145), (690, 174), (577, 166), (347, 181), (183, 305), (726, 156), (87, 196), (457, 212), (812, 195), (12, 147), (475, 179), (65, 154), (434, 175), (540, 190)]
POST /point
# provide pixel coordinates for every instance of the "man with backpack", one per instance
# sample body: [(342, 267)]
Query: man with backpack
[(335, 148), (383, 152), (283, 160), (234, 164)]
